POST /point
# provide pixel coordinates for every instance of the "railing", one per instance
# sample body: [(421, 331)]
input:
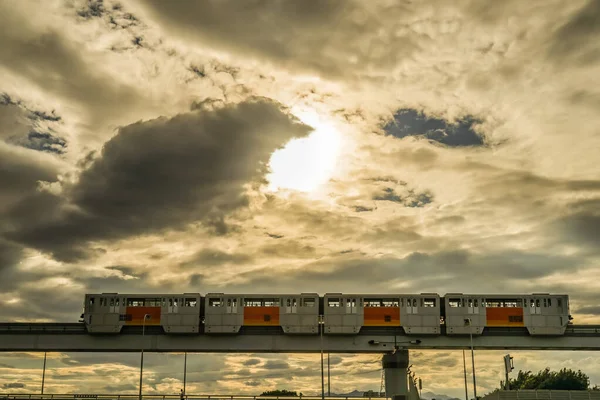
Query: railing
[(16, 396), (544, 395)]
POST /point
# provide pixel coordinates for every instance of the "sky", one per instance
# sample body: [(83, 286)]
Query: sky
[(290, 146)]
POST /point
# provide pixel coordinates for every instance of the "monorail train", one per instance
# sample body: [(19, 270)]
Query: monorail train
[(342, 314)]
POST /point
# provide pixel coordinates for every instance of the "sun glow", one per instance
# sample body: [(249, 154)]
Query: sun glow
[(306, 164)]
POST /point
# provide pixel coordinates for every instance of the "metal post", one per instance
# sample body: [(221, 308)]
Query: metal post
[(322, 371), (473, 361), (328, 377), (465, 373), (44, 373), (184, 370), (142, 355)]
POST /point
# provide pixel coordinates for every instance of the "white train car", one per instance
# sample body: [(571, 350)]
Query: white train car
[(294, 313), (539, 313), (349, 313), (110, 312)]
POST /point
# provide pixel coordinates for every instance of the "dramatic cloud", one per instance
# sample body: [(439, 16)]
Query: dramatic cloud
[(294, 146), (158, 174)]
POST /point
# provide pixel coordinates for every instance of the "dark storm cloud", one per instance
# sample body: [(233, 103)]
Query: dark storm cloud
[(20, 174), (10, 254), (318, 36), (251, 361), (590, 310), (581, 227), (13, 385), (458, 270), (276, 364), (158, 174), (576, 41), (213, 257), (409, 122)]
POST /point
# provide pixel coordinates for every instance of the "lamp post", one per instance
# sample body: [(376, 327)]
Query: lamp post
[(146, 316), (328, 377), (44, 373), (184, 370), (321, 328), (465, 372), (468, 323)]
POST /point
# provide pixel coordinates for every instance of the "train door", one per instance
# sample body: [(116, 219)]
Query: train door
[(351, 306), (411, 306), (535, 306), (291, 305), (473, 306)]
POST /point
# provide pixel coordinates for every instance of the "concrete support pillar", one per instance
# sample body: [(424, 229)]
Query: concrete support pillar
[(396, 382)]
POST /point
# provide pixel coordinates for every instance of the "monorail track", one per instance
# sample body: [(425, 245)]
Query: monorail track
[(49, 328)]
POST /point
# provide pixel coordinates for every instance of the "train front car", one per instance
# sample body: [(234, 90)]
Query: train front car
[(351, 313), (111, 312), (539, 314), (290, 313)]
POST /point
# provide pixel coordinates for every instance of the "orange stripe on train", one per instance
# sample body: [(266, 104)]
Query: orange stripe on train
[(504, 316), (381, 316), (261, 316), (135, 316)]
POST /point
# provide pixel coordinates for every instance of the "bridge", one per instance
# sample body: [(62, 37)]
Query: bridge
[(392, 344), (73, 337)]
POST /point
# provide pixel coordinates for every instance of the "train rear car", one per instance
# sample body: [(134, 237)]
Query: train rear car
[(539, 314), (292, 313), (111, 312), (351, 313)]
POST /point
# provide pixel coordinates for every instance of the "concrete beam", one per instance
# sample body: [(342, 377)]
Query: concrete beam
[(281, 343)]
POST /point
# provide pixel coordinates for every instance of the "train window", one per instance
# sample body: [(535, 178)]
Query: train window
[(92, 301), (253, 303), (372, 302), (545, 303), (454, 303), (429, 303), (549, 302), (271, 302), (537, 303), (117, 302), (401, 302), (333, 302), (309, 302), (235, 303), (176, 302), (190, 302), (390, 303), (288, 302), (414, 302), (170, 302), (559, 302), (214, 302), (532, 303), (475, 303), (164, 302)]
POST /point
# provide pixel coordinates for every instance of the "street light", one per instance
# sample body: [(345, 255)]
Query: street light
[(468, 323), (321, 329), (146, 316)]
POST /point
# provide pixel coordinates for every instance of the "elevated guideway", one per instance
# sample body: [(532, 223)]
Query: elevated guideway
[(74, 338)]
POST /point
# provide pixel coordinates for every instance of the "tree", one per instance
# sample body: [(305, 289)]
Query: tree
[(280, 393), (565, 379)]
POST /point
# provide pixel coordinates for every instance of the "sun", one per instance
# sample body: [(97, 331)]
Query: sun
[(306, 164)]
